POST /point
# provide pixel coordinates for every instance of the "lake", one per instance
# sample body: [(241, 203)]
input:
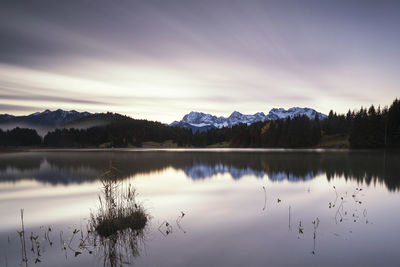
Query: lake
[(206, 208)]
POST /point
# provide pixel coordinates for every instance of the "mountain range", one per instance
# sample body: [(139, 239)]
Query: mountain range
[(41, 121), (58, 117), (199, 121)]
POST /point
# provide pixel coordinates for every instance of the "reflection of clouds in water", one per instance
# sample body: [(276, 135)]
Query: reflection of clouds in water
[(49, 173)]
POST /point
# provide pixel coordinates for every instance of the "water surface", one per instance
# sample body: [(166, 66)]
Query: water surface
[(242, 207)]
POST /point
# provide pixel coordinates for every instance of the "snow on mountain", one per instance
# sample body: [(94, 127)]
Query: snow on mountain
[(237, 117), (281, 113), (199, 121)]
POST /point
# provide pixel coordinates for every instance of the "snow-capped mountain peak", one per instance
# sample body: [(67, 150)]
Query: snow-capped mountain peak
[(281, 113), (199, 121), (235, 114)]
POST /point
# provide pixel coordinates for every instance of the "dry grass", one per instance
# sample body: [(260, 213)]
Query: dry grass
[(165, 144), (118, 208), (219, 145)]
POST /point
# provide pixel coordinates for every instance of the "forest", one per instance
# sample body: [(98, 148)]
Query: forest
[(365, 128)]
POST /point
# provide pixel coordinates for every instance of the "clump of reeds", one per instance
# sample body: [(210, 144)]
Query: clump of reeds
[(118, 208)]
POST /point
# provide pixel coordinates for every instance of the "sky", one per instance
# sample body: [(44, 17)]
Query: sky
[(159, 60)]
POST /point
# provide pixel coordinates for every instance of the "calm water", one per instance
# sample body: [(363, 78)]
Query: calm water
[(242, 207)]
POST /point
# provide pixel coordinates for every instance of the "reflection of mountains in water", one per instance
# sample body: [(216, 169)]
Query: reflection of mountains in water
[(201, 171), (78, 166)]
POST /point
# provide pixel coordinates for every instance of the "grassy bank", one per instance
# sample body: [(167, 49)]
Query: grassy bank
[(334, 141)]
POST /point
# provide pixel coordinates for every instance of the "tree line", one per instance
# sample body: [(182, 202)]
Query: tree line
[(365, 128), (20, 137)]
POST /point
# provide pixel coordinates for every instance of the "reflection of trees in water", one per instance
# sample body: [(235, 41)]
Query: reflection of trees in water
[(20, 161), (119, 222), (118, 249), (115, 231), (367, 167), (121, 248)]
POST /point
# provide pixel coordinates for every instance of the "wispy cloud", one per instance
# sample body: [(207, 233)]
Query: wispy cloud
[(18, 108), (35, 97), (161, 59)]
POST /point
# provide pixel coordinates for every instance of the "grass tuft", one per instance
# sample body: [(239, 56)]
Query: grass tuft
[(118, 208), (135, 220)]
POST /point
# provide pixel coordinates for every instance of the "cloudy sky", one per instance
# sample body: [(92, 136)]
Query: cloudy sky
[(162, 59)]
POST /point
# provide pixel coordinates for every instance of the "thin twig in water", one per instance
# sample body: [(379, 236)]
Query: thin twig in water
[(315, 224), (265, 198), (338, 211), (178, 220), (334, 187), (23, 243)]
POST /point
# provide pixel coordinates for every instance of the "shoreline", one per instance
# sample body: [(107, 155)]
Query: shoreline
[(204, 149)]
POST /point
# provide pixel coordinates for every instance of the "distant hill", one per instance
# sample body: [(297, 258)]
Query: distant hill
[(198, 121), (41, 121), (98, 119), (113, 130), (46, 118)]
